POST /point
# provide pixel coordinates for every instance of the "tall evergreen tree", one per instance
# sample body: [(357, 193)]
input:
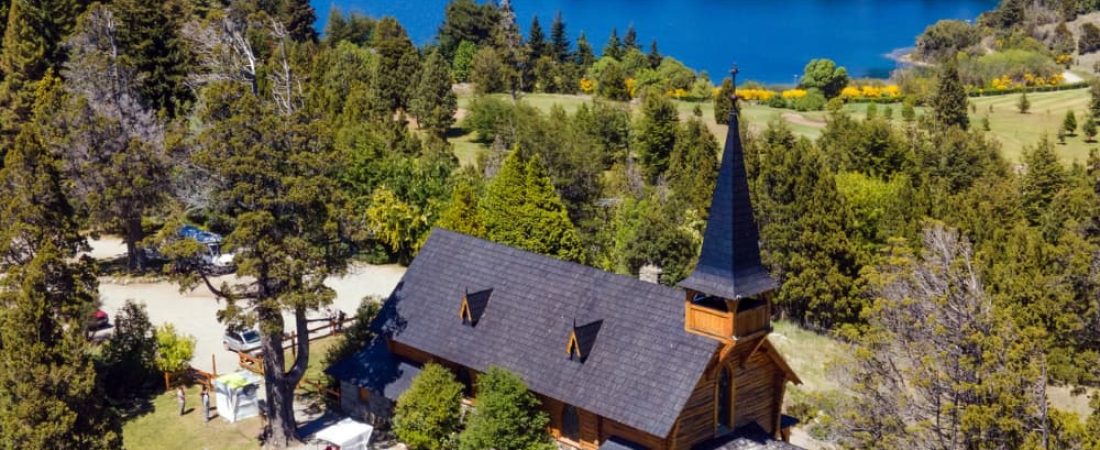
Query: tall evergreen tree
[(434, 102), (1044, 178), (32, 44), (630, 40), (355, 28), (398, 62), (461, 214), (559, 42), (656, 133), (613, 48), (1069, 124), (654, 55), (509, 44), (149, 42), (1094, 99), (949, 105), (584, 57), (521, 208), (298, 17), (466, 20), (48, 394), (536, 41), (693, 165), (723, 102)]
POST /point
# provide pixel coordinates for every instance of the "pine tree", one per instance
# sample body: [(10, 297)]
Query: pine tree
[(397, 64), (467, 20), (654, 56), (612, 83), (48, 393), (149, 42), (585, 57), (1094, 99), (434, 102), (950, 102), (693, 165), (1069, 124), (507, 417), (723, 102), (428, 415), (461, 214), (656, 133), (1089, 128), (509, 45), (1044, 178), (536, 41), (559, 42), (613, 48), (630, 41), (1023, 105), (463, 61), (521, 208), (298, 17)]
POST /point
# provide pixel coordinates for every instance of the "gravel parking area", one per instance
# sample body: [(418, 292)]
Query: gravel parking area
[(195, 312)]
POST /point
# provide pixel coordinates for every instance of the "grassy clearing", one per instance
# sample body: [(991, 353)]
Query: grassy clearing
[(1012, 129), (810, 355), (161, 427), (1048, 109)]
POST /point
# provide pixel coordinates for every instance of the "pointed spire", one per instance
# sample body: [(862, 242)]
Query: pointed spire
[(729, 264)]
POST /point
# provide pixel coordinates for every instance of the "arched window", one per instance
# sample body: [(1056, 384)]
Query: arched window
[(570, 423)]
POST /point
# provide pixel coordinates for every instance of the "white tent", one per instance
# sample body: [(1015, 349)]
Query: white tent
[(237, 395), (347, 434)]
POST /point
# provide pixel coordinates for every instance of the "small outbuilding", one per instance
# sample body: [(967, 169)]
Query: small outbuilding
[(237, 395), (347, 434)]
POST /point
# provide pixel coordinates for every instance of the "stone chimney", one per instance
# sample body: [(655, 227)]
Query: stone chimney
[(650, 274)]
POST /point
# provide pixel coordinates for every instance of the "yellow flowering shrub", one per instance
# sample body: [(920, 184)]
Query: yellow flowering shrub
[(868, 91), (849, 93), (1056, 79), (632, 87), (677, 93), (588, 85), (754, 94), (793, 94), (1001, 83), (1063, 59), (892, 91)]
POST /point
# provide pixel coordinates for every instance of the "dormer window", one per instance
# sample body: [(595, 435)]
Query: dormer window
[(582, 339), (473, 306)]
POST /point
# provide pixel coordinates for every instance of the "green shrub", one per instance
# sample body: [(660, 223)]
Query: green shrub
[(507, 417), (428, 415), (813, 101)]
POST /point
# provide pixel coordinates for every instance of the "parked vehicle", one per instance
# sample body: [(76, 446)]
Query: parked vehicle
[(98, 321), (244, 340), (221, 262)]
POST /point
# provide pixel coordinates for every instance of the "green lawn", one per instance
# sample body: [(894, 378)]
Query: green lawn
[(1012, 129), (1048, 109), (161, 427)]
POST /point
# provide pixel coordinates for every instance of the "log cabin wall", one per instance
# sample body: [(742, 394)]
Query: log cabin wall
[(696, 422), (756, 386)]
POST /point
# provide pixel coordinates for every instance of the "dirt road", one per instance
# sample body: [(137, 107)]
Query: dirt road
[(195, 312)]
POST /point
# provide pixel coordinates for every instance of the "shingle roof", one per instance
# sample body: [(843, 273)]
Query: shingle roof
[(640, 371), (374, 367), (729, 264)]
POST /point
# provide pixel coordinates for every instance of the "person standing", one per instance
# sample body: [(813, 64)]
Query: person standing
[(205, 403), (181, 397)]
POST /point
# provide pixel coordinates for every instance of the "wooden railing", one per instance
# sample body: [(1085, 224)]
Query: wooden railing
[(751, 321)]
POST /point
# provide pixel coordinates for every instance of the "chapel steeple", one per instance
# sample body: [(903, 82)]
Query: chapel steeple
[(729, 267)]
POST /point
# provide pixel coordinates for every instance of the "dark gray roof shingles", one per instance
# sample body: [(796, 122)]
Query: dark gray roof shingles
[(729, 263), (640, 371)]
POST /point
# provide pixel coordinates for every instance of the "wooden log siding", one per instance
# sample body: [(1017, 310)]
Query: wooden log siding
[(752, 320), (756, 387), (696, 422)]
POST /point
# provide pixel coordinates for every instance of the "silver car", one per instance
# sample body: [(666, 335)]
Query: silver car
[(243, 341)]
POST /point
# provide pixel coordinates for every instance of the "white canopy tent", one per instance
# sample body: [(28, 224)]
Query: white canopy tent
[(347, 434), (238, 395)]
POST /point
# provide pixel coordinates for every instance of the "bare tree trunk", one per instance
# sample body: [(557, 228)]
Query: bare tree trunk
[(280, 383), (135, 260)]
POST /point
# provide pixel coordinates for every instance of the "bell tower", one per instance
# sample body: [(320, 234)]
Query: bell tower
[(728, 296)]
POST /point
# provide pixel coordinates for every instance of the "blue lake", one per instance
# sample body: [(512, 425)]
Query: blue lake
[(770, 40)]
